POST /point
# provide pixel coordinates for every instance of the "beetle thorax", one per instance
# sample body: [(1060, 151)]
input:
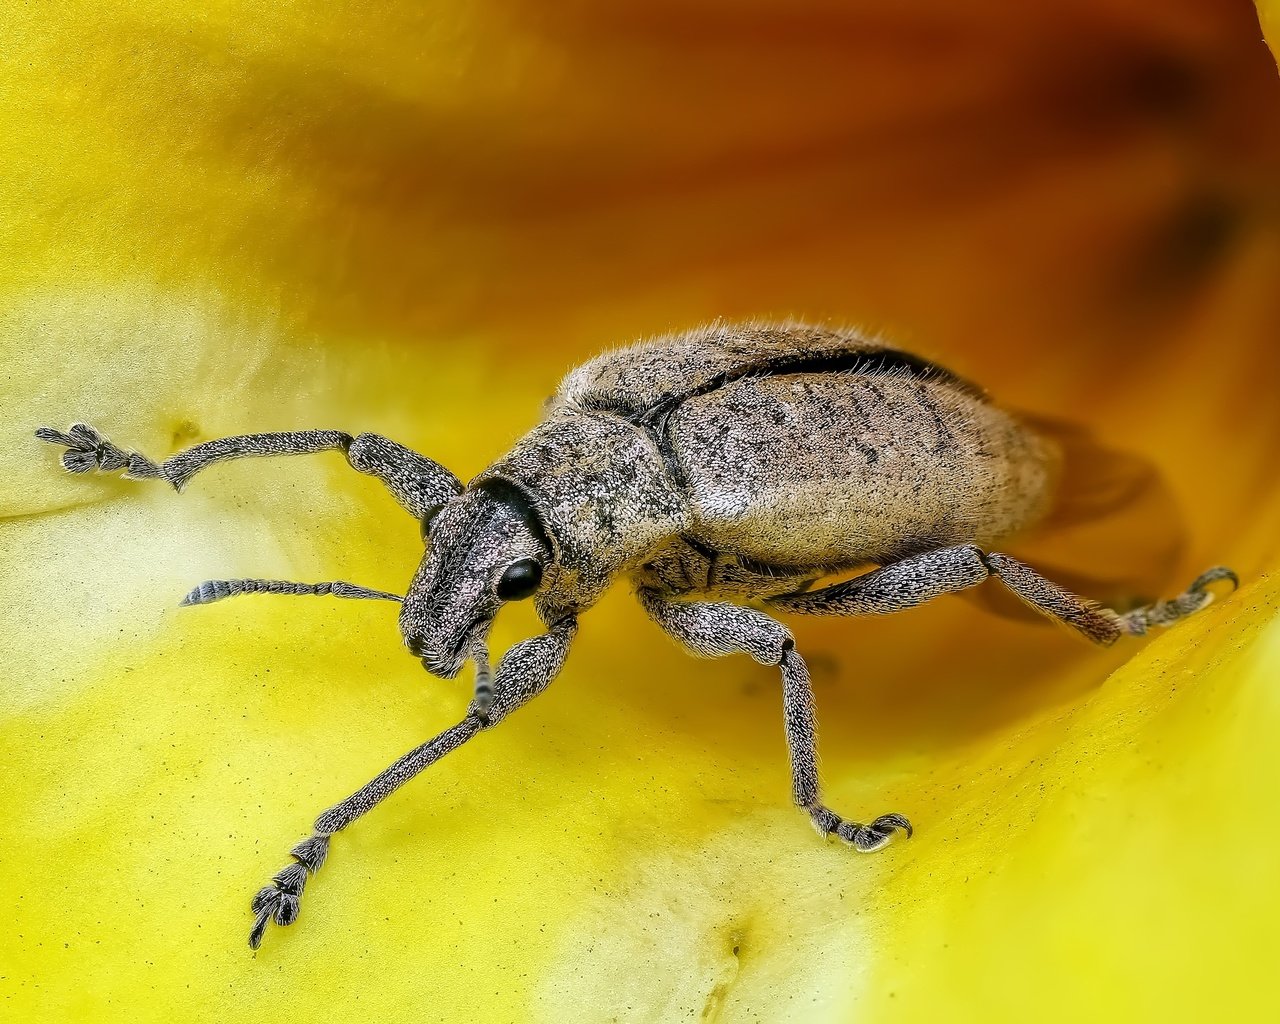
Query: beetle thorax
[(600, 487)]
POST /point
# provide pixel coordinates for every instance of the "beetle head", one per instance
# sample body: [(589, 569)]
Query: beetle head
[(484, 547)]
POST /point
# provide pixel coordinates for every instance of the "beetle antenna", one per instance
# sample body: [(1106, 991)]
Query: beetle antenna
[(215, 590)]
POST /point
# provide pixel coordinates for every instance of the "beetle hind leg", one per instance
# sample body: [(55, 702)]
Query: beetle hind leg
[(912, 581), (1102, 625)]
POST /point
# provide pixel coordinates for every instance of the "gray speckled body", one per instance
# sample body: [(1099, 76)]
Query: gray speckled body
[(748, 461), (724, 465)]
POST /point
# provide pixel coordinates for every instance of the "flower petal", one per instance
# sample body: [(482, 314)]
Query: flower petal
[(412, 221)]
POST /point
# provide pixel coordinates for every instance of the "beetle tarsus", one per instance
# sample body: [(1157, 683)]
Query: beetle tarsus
[(874, 836), (1165, 613), (863, 838), (281, 900), (88, 450)]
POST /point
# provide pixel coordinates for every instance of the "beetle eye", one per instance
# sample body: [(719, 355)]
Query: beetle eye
[(427, 518), (521, 580)]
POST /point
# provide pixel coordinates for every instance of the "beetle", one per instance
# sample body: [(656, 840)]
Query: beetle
[(725, 471)]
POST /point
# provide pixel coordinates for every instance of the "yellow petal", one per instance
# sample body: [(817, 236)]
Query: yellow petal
[(413, 220), (1269, 14)]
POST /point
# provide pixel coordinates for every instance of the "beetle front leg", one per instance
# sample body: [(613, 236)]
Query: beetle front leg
[(714, 629), (524, 672), (416, 482)]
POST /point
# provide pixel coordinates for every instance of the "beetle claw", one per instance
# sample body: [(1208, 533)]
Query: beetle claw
[(259, 929), (1214, 575), (863, 838), (875, 836)]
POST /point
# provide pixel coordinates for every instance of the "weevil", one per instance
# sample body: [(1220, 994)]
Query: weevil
[(725, 472)]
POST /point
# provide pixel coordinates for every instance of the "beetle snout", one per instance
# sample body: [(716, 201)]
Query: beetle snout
[(439, 662)]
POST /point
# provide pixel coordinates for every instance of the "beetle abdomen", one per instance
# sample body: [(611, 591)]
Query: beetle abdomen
[(838, 469)]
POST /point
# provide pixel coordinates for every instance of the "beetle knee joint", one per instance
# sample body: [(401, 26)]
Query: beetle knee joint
[(362, 452), (985, 558)]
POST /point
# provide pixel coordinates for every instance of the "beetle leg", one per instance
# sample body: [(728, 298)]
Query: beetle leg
[(1102, 625), (415, 481), (895, 587), (911, 581), (713, 629), (525, 671)]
